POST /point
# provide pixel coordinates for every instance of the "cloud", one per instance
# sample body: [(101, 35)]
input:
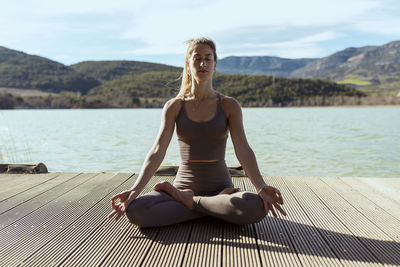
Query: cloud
[(303, 47), (163, 27), (384, 27), (159, 28)]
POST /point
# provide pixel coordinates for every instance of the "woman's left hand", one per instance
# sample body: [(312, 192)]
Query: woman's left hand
[(272, 199)]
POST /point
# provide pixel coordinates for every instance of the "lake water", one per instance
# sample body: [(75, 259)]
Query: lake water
[(352, 142)]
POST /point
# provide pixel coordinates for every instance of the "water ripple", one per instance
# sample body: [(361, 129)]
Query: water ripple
[(295, 141)]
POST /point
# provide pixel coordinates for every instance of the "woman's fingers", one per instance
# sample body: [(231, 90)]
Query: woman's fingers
[(111, 214), (279, 197), (272, 209), (114, 199), (118, 216), (266, 207), (278, 207)]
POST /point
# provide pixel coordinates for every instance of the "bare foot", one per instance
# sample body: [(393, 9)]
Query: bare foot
[(184, 196), (229, 191)]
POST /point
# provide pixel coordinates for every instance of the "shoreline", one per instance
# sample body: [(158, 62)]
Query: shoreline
[(250, 107)]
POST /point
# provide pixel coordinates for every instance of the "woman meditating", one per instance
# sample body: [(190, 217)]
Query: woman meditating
[(203, 185)]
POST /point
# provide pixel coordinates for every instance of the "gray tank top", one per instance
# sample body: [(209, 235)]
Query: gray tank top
[(202, 140)]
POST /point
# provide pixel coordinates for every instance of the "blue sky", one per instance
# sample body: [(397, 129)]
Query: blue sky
[(155, 31)]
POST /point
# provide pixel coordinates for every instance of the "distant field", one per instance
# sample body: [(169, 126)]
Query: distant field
[(354, 79), (24, 92)]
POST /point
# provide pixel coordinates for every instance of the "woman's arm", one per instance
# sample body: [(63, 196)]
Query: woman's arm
[(121, 201), (156, 154), (271, 196), (243, 151)]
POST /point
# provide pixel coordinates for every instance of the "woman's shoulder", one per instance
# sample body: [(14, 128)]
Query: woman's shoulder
[(229, 104), (173, 106)]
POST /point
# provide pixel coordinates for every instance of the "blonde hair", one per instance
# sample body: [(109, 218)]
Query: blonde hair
[(186, 79)]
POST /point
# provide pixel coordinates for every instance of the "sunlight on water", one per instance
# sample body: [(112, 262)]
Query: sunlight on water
[(362, 142)]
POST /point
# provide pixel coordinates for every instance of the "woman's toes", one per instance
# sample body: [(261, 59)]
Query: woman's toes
[(161, 186)]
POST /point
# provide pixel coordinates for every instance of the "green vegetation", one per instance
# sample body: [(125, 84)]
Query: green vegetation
[(130, 84), (268, 90), (20, 70), (355, 80), (251, 90), (110, 70)]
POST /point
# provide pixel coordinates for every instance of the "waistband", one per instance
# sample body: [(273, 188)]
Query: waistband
[(191, 163)]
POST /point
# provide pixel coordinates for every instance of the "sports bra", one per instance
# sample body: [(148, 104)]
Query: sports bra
[(202, 140)]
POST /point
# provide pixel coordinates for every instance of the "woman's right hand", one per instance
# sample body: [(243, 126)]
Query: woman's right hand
[(120, 203)]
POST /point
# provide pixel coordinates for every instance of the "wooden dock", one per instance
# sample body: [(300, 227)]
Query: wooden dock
[(60, 219)]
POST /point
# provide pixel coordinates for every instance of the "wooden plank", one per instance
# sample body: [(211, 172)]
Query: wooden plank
[(274, 244), (71, 229), (52, 184), (128, 249), (239, 242), (23, 182), (25, 220), (311, 247), (390, 187), (27, 208), (380, 244), (8, 177), (239, 246), (26, 245), (348, 248), (113, 242), (61, 246), (377, 215), (168, 248), (205, 243), (376, 196)]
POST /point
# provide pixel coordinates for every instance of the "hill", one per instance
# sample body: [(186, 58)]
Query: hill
[(93, 84), (372, 68), (277, 66), (24, 71), (152, 89), (109, 70)]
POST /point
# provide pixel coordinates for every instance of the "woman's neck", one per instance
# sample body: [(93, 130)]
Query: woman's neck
[(202, 90)]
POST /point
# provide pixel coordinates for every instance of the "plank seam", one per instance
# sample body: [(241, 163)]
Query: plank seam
[(382, 208), (344, 223), (37, 194), (308, 217), (66, 228), (284, 226), (222, 246), (98, 226), (187, 244), (256, 238)]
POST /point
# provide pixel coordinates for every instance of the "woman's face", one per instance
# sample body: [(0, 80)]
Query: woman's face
[(201, 62)]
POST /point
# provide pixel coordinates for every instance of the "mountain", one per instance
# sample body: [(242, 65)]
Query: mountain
[(21, 70), (261, 65), (142, 84), (365, 67), (110, 70), (332, 67)]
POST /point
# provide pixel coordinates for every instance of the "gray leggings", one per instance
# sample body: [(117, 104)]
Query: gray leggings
[(159, 209)]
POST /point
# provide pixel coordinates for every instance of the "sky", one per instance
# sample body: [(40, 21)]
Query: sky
[(155, 31)]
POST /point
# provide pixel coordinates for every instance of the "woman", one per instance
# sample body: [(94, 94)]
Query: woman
[(203, 185)]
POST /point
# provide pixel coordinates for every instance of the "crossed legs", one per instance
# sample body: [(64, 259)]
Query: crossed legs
[(168, 205)]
